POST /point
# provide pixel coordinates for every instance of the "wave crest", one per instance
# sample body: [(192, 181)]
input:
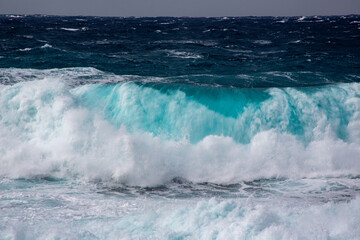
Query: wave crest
[(49, 128)]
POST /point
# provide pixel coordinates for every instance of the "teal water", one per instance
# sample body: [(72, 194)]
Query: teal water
[(187, 112)]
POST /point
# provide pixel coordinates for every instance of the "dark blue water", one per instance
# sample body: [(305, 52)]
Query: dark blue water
[(240, 52), (179, 128)]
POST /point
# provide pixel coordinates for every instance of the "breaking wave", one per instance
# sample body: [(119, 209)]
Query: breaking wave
[(141, 133)]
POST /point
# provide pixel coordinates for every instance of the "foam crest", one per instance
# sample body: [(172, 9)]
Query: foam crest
[(71, 29), (47, 130)]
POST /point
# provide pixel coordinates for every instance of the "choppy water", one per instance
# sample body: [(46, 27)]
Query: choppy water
[(179, 128)]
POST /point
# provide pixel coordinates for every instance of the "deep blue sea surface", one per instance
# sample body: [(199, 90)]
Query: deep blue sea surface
[(179, 128)]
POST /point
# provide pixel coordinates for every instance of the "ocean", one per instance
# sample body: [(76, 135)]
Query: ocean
[(179, 128)]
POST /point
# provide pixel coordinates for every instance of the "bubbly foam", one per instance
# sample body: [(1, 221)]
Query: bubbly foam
[(77, 213), (178, 54), (48, 128), (71, 29)]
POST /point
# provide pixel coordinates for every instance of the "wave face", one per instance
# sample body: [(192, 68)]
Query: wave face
[(193, 113), (149, 133), (179, 128)]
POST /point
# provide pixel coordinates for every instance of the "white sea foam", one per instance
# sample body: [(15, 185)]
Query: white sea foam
[(68, 75), (45, 130), (262, 42), (181, 54), (207, 43), (71, 29), (74, 212), (301, 19), (25, 49), (15, 16), (46, 45)]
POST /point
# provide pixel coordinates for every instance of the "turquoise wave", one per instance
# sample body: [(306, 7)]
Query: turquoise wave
[(190, 112), (146, 134)]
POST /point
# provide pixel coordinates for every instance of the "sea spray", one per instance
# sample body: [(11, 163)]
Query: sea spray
[(131, 133)]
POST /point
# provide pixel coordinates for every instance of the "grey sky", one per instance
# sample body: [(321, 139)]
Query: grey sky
[(181, 7)]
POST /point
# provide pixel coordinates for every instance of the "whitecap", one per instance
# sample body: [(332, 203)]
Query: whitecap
[(272, 52), (181, 54), (71, 29), (239, 50), (262, 42), (301, 19), (15, 16), (25, 49), (46, 46)]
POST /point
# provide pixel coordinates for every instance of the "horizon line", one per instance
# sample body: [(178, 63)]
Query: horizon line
[(164, 16)]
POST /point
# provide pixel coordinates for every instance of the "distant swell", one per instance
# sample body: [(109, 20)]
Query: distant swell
[(148, 133)]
